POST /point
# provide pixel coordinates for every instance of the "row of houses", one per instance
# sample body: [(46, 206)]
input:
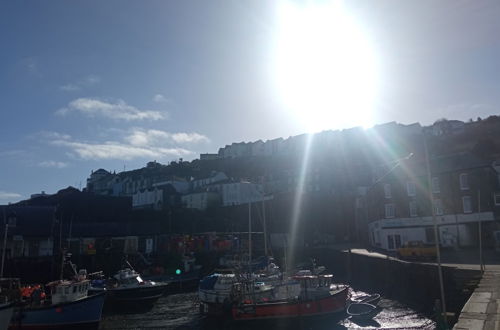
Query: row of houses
[(215, 190), (297, 143), (465, 191)]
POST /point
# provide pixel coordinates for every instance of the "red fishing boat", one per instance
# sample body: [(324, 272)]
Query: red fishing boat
[(318, 297)]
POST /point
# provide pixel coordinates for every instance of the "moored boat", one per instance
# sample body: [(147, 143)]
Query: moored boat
[(67, 306), (6, 310), (312, 306), (128, 288)]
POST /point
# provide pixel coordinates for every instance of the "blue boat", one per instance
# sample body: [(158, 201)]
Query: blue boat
[(84, 313), (67, 307)]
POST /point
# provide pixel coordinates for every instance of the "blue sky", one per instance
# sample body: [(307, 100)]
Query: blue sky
[(115, 84)]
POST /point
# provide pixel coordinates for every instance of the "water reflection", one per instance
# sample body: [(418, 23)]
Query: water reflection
[(180, 312)]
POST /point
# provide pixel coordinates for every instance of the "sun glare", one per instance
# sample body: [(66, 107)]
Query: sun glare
[(324, 67)]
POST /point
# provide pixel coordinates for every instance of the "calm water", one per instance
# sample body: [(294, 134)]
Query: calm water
[(180, 312)]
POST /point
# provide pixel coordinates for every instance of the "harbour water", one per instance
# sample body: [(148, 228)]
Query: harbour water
[(180, 312)]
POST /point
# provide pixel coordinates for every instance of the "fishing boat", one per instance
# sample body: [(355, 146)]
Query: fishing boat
[(128, 288), (6, 310), (362, 310), (317, 297), (68, 306), (214, 292)]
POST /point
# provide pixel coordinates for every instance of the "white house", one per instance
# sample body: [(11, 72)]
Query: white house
[(238, 193), (180, 185), (214, 178), (200, 200), (389, 234), (149, 198)]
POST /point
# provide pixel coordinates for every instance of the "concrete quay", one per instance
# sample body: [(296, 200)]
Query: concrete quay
[(482, 310)]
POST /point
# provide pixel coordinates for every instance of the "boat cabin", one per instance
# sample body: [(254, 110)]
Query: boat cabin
[(67, 291), (128, 277)]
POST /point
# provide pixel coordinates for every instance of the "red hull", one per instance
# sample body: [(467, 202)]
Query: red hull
[(334, 303)]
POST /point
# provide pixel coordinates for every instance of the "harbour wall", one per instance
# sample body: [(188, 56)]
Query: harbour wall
[(413, 283)]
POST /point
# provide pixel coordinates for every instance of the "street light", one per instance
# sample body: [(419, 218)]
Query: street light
[(10, 220), (436, 235)]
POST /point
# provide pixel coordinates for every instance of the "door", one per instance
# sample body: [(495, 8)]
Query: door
[(390, 242)]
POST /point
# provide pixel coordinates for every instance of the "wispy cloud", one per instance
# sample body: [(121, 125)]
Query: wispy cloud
[(118, 110), (116, 150), (53, 163), (189, 138), (87, 81), (50, 135), (9, 195), (159, 98), (152, 137), (70, 88)]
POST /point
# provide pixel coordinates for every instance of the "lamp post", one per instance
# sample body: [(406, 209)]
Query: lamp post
[(11, 220), (436, 236)]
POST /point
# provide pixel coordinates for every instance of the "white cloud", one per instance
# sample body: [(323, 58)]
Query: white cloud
[(8, 195), (189, 138), (53, 135), (90, 80), (115, 150), (159, 98), (80, 84), (152, 137), (69, 88), (118, 110), (52, 163)]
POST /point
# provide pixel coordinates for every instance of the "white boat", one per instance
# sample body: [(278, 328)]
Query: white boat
[(127, 287)]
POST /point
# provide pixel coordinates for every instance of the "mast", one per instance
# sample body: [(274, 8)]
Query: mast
[(249, 235), (264, 224)]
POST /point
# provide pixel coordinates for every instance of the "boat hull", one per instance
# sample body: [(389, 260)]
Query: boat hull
[(142, 297), (6, 311), (332, 304), (84, 313)]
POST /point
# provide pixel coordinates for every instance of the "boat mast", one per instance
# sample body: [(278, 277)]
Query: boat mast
[(250, 236), (264, 224)]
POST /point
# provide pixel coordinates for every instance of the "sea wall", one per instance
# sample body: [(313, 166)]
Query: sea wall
[(413, 283)]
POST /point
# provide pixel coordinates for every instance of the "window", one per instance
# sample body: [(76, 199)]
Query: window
[(387, 190), (389, 210), (435, 185), (467, 204), (429, 235), (393, 242), (464, 181), (390, 242), (438, 207), (413, 209), (410, 189), (397, 241), (497, 198)]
